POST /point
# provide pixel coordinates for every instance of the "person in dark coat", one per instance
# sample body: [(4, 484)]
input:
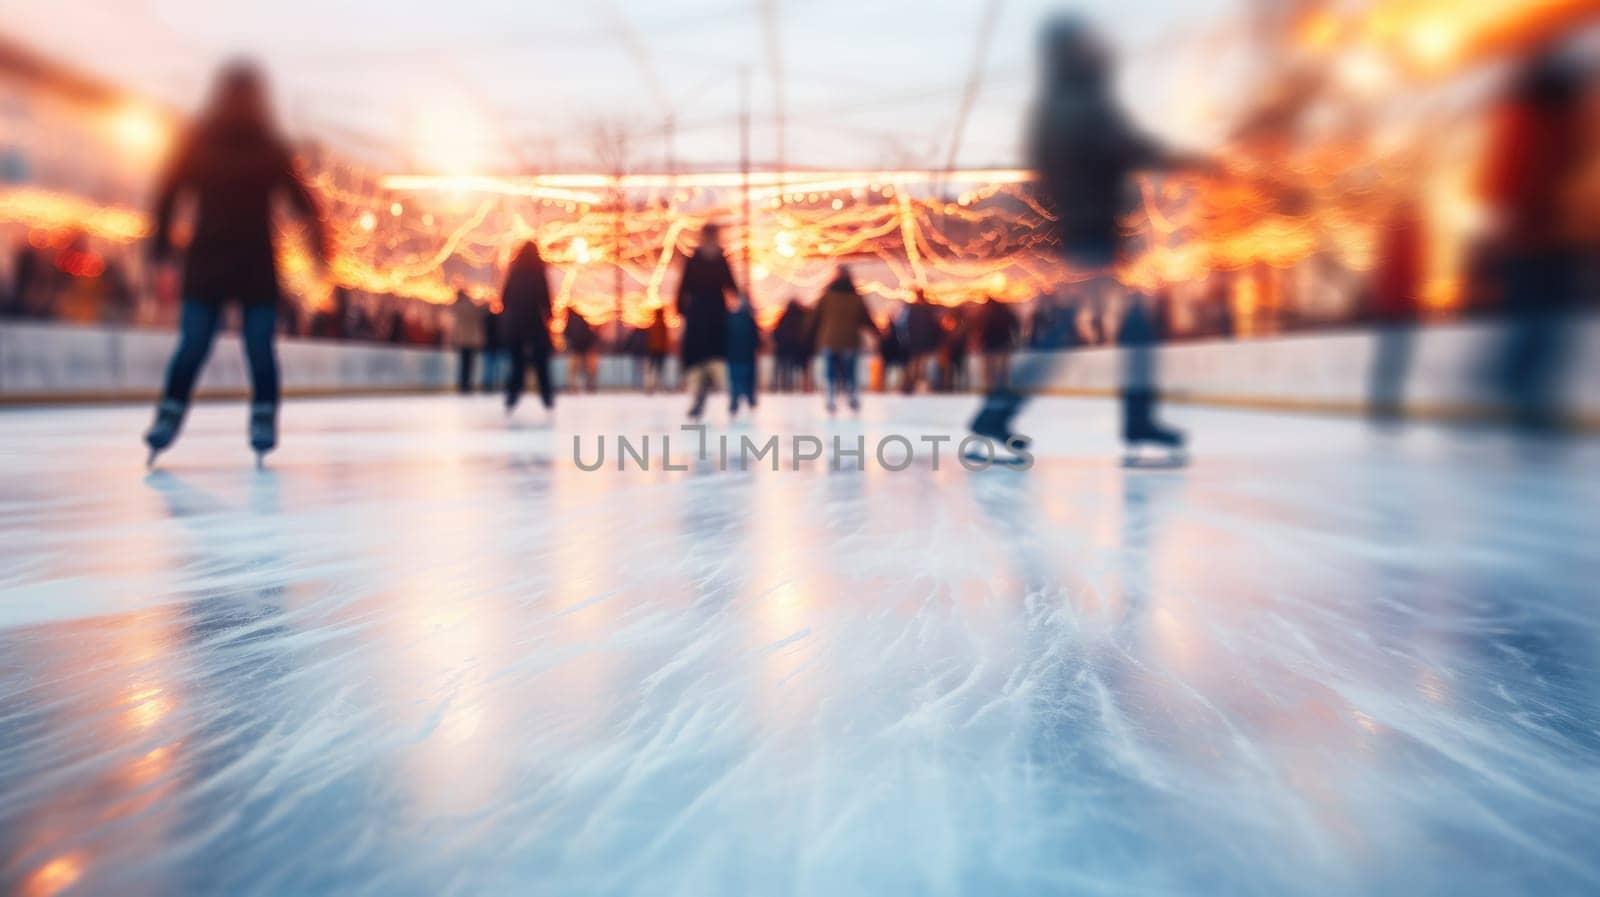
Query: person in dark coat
[(1085, 151), (525, 321), (657, 343), (744, 341), (919, 326), (999, 329), (791, 352), (581, 340), (234, 163), (957, 339), (703, 293), (495, 357)]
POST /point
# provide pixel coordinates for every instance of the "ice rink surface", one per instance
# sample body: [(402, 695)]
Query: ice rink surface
[(424, 654)]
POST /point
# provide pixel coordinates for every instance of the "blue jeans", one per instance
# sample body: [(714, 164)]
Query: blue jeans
[(841, 368), (197, 331), (741, 384)]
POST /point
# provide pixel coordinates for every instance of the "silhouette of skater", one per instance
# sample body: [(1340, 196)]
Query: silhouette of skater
[(835, 328), (744, 341), (703, 304), (1086, 152), (233, 163), (525, 325), (1537, 153)]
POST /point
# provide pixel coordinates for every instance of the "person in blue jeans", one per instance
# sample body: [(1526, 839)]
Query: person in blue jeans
[(835, 328), (234, 164), (744, 341)]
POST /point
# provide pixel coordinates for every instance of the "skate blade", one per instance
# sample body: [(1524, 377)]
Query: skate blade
[(1173, 463)]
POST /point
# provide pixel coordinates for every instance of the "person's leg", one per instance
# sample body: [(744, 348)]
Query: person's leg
[(849, 363), (698, 380), (541, 371), (830, 372), (517, 379), (197, 331), (260, 323)]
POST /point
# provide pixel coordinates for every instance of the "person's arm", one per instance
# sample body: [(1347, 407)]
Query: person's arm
[(305, 205), (729, 287), (680, 301)]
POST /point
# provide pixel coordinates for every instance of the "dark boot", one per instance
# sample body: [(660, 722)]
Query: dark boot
[(164, 429), (994, 419), (263, 427)]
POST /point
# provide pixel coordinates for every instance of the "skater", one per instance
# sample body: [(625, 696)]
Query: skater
[(468, 336), (999, 330), (233, 163), (703, 304), (582, 360), (957, 337), (791, 355), (892, 356), (495, 357), (920, 326), (835, 329), (1085, 152), (744, 341), (526, 331), (1535, 160), (657, 343)]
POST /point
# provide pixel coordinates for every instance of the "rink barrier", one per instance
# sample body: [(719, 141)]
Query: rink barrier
[(43, 362)]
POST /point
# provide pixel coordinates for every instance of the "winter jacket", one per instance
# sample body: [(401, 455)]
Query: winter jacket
[(837, 321), (234, 175), (703, 305), (470, 323), (744, 336)]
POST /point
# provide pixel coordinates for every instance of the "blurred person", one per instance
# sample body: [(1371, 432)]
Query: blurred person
[(1536, 153), (24, 273), (892, 354), (657, 343), (999, 331), (953, 351), (234, 162), (920, 326), (525, 297), (495, 356), (835, 329), (635, 346), (791, 353), (703, 293), (396, 332), (744, 342), (468, 336), (1086, 152), (1397, 284), (582, 358)]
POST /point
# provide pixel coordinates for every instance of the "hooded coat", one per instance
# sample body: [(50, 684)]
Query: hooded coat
[(703, 305)]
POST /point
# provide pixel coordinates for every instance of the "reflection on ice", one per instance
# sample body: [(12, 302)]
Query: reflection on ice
[(423, 654)]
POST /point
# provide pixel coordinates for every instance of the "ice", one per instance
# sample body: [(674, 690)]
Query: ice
[(423, 653)]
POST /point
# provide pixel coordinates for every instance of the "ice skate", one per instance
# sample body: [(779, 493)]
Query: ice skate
[(164, 429), (263, 430), (1171, 440), (996, 427)]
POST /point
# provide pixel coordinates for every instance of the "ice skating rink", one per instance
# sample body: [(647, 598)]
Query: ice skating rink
[(423, 653)]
